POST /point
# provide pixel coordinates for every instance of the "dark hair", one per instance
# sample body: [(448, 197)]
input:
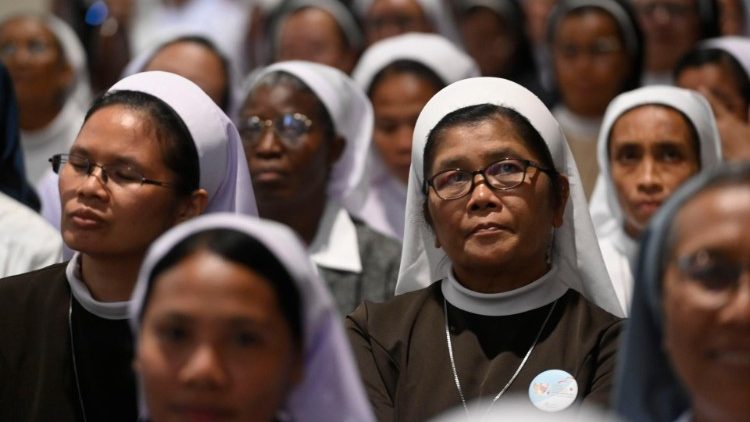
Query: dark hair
[(407, 66), (210, 46), (477, 114), (242, 249), (703, 56), (696, 141), (176, 144), (569, 8), (281, 77)]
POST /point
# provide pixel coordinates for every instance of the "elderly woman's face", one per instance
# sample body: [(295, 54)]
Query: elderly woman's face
[(215, 344), (706, 299), (590, 60), (651, 153), (34, 60), (388, 18), (491, 229)]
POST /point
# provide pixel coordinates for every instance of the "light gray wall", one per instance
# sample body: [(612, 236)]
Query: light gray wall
[(9, 7)]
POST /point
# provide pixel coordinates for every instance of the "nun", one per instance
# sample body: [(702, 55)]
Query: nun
[(256, 334), (153, 151), (47, 64), (719, 69), (387, 18), (306, 129), (400, 74), (320, 31), (597, 53), (498, 240), (685, 353), (653, 139)]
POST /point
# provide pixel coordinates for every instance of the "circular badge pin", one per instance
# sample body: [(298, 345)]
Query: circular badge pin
[(553, 390)]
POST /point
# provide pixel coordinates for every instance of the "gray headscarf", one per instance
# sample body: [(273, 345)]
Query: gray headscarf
[(646, 387)]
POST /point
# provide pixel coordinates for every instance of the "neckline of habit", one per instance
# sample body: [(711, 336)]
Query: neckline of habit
[(534, 295)]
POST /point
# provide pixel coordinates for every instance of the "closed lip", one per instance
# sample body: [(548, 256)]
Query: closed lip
[(487, 228), (732, 356), (268, 172), (86, 217), (648, 203), (202, 412)]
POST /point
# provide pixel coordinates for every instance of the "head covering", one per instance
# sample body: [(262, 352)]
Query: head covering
[(627, 24), (647, 389), (575, 253), (431, 50), (75, 55), (331, 388), (139, 63), (223, 168), (343, 17), (737, 47), (13, 180), (436, 11), (605, 208), (351, 113)]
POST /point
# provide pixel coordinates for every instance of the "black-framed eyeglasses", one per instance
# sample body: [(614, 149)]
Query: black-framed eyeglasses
[(119, 174), (713, 271), (505, 174), (289, 128)]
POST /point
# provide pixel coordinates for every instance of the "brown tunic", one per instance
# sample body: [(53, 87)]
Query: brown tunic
[(403, 357)]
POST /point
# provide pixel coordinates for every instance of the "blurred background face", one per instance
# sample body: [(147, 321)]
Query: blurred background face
[(35, 62), (195, 62), (732, 17), (489, 40), (314, 35), (537, 12), (215, 344), (590, 61), (707, 302), (652, 151), (397, 100), (719, 79), (387, 18), (97, 217), (671, 28)]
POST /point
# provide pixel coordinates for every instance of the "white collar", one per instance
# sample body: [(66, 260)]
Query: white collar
[(69, 118), (577, 126), (625, 244), (534, 295), (106, 310), (335, 245)]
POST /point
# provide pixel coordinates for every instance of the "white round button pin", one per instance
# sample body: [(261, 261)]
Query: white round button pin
[(553, 390)]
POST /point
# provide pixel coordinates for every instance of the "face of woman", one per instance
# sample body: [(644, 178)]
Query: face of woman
[(651, 153), (490, 41), (488, 230), (283, 174), (707, 302), (719, 80), (34, 60), (97, 217), (397, 100), (588, 44), (670, 27), (314, 35), (196, 63), (214, 344), (387, 18)]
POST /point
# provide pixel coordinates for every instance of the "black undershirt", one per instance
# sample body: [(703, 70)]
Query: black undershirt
[(103, 352)]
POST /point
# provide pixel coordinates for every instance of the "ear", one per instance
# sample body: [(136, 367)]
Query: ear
[(192, 206), (559, 213), (336, 149)]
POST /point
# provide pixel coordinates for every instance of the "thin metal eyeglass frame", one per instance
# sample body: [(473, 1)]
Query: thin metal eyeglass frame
[(58, 160), (266, 123), (526, 164)]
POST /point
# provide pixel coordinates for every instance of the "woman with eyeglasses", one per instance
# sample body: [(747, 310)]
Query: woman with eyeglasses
[(597, 53), (306, 129), (501, 280), (686, 353), (154, 151)]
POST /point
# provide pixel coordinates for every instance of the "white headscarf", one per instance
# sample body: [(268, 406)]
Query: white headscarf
[(605, 208), (436, 11), (351, 113), (75, 55), (223, 167), (575, 254), (737, 47), (331, 389), (343, 17), (431, 50)]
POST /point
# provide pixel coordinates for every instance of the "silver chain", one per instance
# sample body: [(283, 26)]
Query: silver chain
[(512, 378)]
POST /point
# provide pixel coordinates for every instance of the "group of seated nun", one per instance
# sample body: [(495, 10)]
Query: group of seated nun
[(412, 242)]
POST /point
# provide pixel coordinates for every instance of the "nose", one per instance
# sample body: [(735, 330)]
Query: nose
[(204, 369), (94, 185), (648, 177), (737, 310), (403, 139), (268, 145), (482, 196)]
